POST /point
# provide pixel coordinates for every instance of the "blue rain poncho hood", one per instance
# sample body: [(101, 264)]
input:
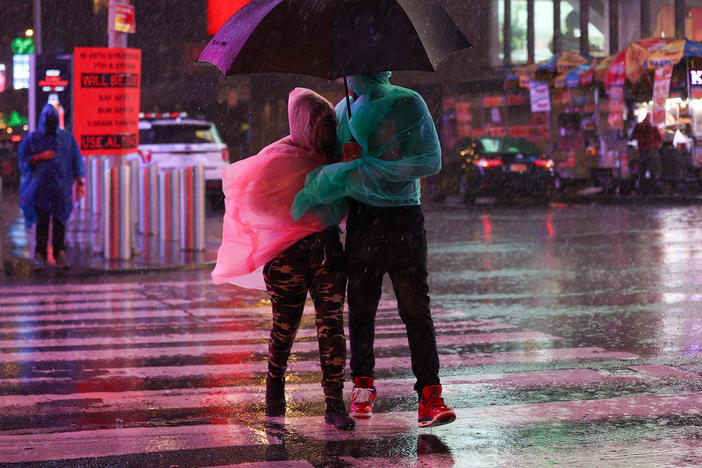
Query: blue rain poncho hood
[(48, 185), (400, 145)]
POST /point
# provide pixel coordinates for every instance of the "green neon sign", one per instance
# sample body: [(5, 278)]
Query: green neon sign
[(22, 45), (15, 120)]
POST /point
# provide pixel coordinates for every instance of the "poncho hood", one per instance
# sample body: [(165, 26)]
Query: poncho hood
[(306, 109), (46, 112)]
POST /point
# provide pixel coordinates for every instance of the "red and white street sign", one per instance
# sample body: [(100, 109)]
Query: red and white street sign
[(122, 18), (106, 99)]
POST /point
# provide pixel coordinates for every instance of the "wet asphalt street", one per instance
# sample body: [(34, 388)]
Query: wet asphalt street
[(568, 336)]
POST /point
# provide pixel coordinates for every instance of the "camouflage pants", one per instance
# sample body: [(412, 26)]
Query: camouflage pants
[(289, 276)]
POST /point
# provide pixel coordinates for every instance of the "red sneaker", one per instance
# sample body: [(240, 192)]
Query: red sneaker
[(362, 397), (432, 409)]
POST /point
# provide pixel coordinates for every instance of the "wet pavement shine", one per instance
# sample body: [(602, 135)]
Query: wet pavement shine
[(569, 335)]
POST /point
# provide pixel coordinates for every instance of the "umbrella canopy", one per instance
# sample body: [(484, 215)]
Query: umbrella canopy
[(628, 64), (526, 74), (582, 75), (334, 38), (563, 62), (672, 53), (602, 68)]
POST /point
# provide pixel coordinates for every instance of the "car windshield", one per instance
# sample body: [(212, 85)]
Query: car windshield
[(177, 133), (508, 146)]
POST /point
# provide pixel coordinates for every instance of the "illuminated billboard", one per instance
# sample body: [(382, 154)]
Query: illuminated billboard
[(219, 11), (20, 71)]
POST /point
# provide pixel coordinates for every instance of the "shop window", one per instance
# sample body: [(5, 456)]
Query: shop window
[(543, 29), (598, 28), (518, 30), (663, 18), (570, 25), (629, 22)]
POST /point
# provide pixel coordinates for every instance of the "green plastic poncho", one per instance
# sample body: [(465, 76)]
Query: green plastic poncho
[(400, 145)]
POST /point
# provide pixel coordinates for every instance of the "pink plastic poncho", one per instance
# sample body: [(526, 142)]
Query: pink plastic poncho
[(259, 192)]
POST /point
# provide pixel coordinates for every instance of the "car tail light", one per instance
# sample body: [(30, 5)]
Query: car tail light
[(482, 162), (145, 156), (15, 138), (225, 155), (545, 163)]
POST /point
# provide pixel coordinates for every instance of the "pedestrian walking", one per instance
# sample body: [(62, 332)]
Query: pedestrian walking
[(385, 230), (648, 140), (51, 163), (263, 245)]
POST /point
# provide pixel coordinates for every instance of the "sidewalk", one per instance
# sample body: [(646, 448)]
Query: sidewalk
[(84, 247)]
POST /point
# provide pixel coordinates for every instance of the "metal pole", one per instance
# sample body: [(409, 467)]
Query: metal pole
[(192, 205), (37, 27), (117, 219), (115, 38), (168, 202), (83, 202), (147, 189), (104, 167), (95, 184), (134, 174)]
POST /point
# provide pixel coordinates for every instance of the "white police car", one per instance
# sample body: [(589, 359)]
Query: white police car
[(174, 141)]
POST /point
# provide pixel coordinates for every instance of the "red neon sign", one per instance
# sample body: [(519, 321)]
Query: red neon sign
[(53, 82), (219, 11)]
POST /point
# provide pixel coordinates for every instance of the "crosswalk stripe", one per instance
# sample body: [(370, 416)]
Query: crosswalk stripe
[(453, 386), (122, 441), (183, 325), (237, 349), (28, 301), (106, 442), (207, 371), (71, 320), (102, 287), (106, 307)]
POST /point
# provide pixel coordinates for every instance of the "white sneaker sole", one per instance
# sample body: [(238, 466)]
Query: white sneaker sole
[(361, 415), (445, 417)]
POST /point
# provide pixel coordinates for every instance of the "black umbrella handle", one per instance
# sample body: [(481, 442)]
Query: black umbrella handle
[(348, 104)]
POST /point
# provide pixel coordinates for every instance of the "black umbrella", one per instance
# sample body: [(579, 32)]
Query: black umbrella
[(334, 38)]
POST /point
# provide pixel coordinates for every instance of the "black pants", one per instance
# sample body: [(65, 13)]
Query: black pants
[(301, 268), (58, 233), (393, 241)]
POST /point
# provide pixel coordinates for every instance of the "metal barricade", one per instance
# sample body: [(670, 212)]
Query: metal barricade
[(117, 230), (192, 208), (147, 191), (168, 206)]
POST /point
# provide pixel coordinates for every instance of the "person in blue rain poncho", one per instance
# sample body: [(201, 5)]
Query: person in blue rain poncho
[(51, 163), (385, 229)]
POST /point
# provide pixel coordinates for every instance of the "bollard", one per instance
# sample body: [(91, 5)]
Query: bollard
[(116, 218), (94, 186), (104, 168), (83, 201), (147, 191), (168, 211), (192, 208), (134, 183)]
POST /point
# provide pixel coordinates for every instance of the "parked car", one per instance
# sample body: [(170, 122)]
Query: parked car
[(174, 141), (502, 167)]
